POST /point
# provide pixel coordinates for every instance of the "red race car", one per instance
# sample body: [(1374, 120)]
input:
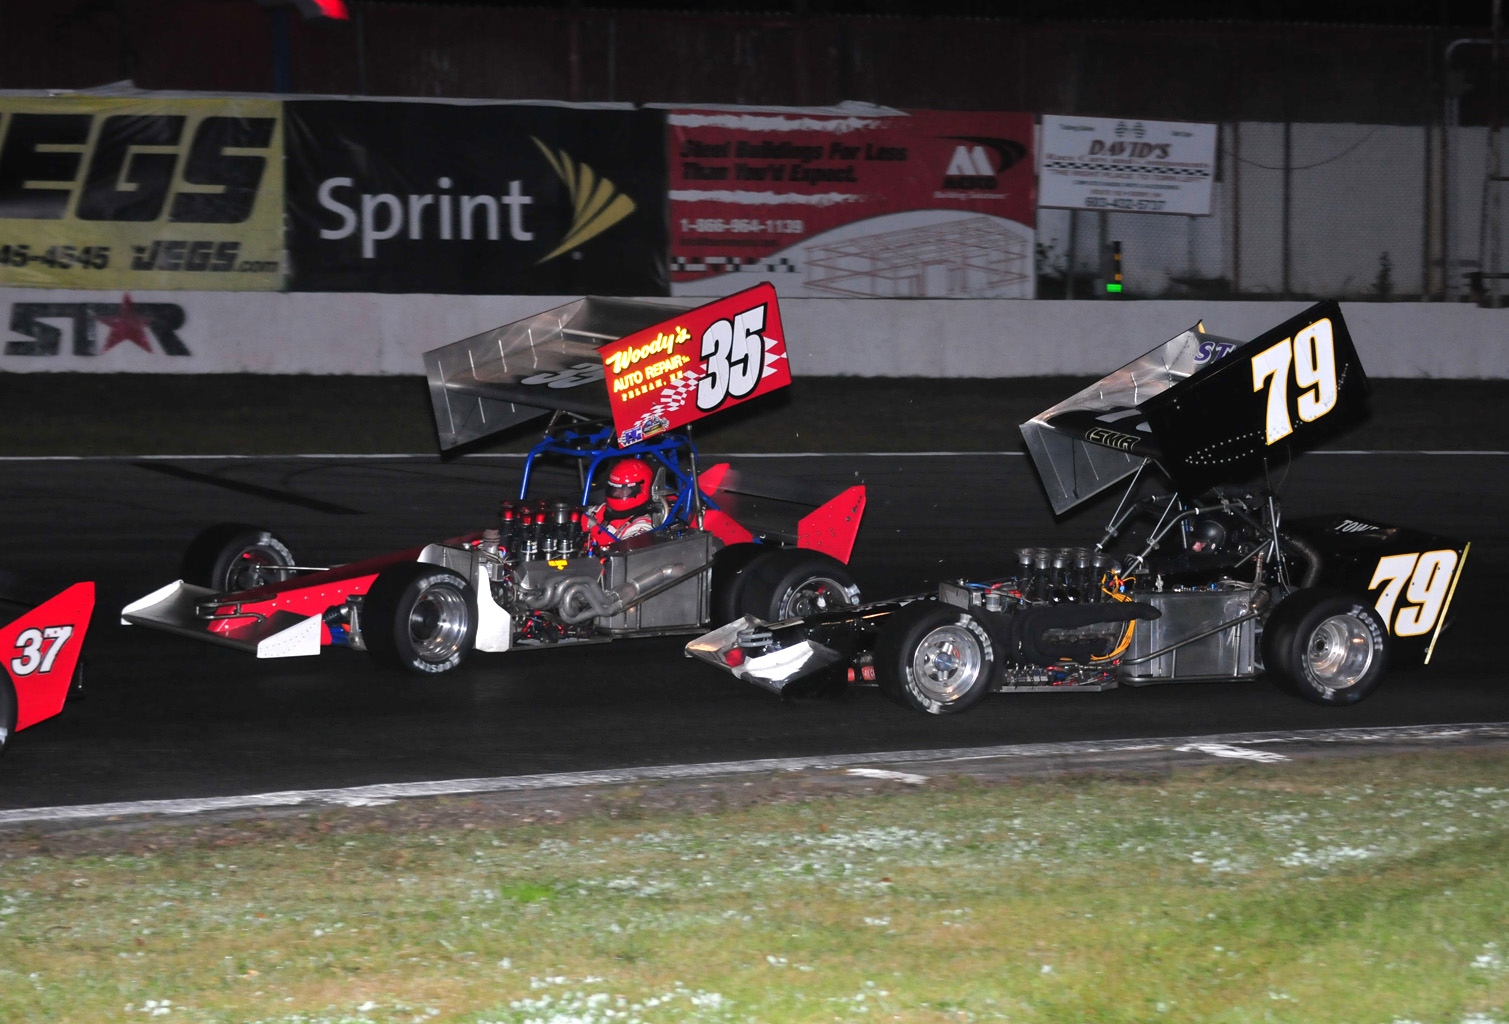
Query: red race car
[(670, 548), (40, 642)]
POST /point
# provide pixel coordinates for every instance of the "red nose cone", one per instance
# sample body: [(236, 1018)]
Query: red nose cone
[(734, 657)]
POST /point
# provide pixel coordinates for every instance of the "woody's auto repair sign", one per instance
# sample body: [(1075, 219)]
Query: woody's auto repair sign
[(155, 193), (926, 203), (709, 358), (1105, 163)]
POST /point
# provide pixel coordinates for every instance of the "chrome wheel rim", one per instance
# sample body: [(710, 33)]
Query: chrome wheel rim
[(257, 566), (947, 663), (437, 622), (819, 594), (1340, 651)]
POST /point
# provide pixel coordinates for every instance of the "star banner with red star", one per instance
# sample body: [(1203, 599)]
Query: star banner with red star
[(152, 193)]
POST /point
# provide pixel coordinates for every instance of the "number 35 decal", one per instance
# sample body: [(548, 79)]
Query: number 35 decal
[(37, 649), (1312, 354), (733, 353), (1426, 582)]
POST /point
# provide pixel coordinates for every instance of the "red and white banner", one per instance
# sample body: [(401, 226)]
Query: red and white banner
[(709, 358), (895, 205)]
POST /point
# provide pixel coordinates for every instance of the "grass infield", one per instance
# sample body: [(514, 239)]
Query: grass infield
[(1358, 890), (170, 414)]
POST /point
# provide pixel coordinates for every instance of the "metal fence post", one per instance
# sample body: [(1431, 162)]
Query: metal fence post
[(1284, 228)]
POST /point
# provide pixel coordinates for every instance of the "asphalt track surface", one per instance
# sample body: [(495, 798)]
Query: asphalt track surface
[(168, 718)]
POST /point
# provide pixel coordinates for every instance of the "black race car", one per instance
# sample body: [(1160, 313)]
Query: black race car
[(1205, 580)]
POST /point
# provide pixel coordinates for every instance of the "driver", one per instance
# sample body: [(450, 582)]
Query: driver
[(629, 508)]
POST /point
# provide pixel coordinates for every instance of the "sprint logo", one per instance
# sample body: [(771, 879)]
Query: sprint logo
[(596, 203), (445, 215)]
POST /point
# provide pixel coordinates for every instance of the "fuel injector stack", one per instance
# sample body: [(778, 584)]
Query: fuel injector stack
[(1062, 575)]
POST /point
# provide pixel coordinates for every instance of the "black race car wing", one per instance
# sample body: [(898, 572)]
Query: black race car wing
[(530, 368), (1206, 409)]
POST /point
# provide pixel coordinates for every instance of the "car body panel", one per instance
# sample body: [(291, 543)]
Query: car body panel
[(41, 648)]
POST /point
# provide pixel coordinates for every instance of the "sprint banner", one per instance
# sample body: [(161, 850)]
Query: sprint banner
[(150, 193), (475, 198)]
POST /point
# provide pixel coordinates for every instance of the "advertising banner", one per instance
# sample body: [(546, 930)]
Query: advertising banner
[(155, 193), (475, 198), (922, 204), (709, 358), (1107, 163)]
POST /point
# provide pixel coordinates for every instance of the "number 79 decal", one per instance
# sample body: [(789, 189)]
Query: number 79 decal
[(1426, 581), (1312, 353)]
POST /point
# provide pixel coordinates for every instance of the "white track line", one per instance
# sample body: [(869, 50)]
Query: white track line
[(383, 793)]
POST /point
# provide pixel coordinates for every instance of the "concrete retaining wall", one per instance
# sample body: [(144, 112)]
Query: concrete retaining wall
[(228, 332)]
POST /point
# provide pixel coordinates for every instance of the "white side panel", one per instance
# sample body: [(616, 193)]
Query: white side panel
[(301, 640), (494, 624)]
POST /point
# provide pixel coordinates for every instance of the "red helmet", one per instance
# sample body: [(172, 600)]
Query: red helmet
[(629, 485)]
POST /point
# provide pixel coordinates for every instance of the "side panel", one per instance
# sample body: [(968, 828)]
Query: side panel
[(1411, 575), (652, 563), (1225, 654), (41, 649)]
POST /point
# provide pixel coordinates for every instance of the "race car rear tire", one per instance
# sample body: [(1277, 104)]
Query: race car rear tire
[(419, 617), (730, 574), (788, 583), (935, 658), (1328, 646), (231, 557)]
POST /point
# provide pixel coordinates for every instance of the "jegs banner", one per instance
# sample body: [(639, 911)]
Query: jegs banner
[(152, 193), (929, 203), (709, 358), (484, 199)]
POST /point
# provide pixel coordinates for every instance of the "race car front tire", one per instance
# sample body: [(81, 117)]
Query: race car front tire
[(935, 658), (788, 583), (419, 617), (1328, 646), (230, 557)]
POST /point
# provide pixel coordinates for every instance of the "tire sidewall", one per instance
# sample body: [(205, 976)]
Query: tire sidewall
[(390, 602), (730, 576), (265, 540), (208, 559), (1289, 632), (898, 646), (773, 577)]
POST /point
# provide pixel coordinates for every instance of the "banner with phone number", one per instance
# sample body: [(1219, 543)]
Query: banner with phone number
[(706, 359), (150, 194), (926, 203)]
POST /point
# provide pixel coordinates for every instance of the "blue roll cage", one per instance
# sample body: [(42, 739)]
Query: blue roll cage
[(598, 446)]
